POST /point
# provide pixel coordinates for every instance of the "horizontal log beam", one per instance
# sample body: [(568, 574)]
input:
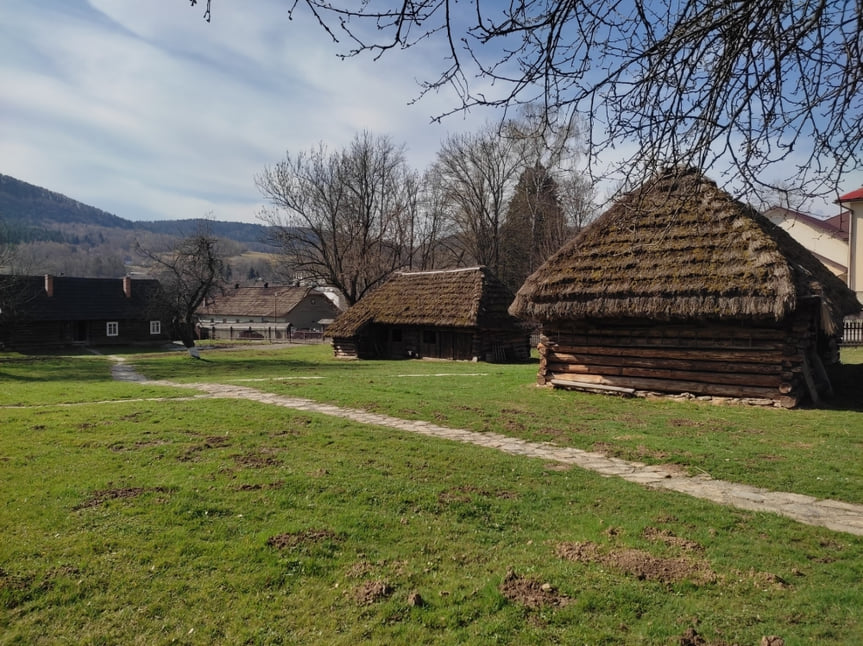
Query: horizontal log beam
[(741, 379), (758, 365), (761, 355), (681, 386)]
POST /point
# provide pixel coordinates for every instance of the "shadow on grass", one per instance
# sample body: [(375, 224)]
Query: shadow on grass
[(847, 381)]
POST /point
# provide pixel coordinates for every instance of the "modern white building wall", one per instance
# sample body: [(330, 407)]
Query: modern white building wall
[(827, 239), (854, 202)]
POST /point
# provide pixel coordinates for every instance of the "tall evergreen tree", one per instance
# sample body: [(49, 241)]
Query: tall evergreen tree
[(534, 228)]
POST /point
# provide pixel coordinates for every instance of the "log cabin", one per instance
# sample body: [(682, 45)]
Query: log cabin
[(680, 288), (458, 314), (44, 311)]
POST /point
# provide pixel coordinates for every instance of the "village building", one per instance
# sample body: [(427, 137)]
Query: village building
[(273, 312), (827, 239), (853, 201), (44, 311), (679, 288), (456, 314)]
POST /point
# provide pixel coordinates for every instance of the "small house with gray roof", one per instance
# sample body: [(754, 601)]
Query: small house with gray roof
[(302, 307)]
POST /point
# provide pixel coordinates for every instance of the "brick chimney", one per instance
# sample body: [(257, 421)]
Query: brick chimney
[(127, 286), (49, 285)]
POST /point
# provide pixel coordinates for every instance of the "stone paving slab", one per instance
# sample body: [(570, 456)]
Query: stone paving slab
[(833, 514)]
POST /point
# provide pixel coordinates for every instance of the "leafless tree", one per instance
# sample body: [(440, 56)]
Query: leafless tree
[(576, 196), (10, 292), (748, 89), (189, 274), (477, 173), (347, 219), (7, 249)]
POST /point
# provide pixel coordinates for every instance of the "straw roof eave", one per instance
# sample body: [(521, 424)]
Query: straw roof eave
[(679, 248), (470, 298)]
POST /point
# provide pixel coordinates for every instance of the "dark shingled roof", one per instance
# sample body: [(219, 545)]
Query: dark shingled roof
[(278, 301), (85, 299), (461, 298), (680, 248)]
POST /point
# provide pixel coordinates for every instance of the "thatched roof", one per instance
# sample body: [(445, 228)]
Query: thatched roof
[(460, 298), (680, 248), (275, 301)]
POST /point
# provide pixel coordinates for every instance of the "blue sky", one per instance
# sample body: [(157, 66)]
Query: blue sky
[(145, 110)]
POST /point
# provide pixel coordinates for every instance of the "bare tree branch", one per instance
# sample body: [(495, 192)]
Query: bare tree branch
[(746, 88), (189, 274), (346, 219)]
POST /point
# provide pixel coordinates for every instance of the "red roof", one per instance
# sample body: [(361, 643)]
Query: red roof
[(853, 196)]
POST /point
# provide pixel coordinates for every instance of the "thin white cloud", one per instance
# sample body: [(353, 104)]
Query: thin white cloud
[(147, 111)]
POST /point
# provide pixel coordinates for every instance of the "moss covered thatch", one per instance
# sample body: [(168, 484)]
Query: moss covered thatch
[(457, 298), (680, 248)]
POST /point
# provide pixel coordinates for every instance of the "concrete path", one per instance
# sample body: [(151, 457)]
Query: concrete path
[(835, 515)]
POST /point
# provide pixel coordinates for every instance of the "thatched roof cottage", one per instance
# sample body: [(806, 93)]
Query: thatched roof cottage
[(677, 288), (451, 314)]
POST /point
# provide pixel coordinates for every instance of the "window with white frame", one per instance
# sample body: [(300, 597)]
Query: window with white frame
[(113, 328), (155, 327)]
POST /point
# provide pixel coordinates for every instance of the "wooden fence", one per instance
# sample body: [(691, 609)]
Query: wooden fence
[(853, 334), (271, 333)]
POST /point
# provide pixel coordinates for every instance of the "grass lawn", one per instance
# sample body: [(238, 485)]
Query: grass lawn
[(807, 451), (167, 517)]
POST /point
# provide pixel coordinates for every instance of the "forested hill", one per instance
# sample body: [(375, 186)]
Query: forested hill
[(26, 210), (31, 213), (250, 234), (43, 232)]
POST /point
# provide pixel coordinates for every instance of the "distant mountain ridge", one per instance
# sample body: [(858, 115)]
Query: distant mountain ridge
[(31, 213), (24, 205)]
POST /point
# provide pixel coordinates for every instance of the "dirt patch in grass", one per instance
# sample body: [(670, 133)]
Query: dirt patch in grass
[(765, 580), (464, 493), (469, 409), (292, 540), (551, 434), (514, 426), (690, 637), (258, 486), (606, 448), (99, 497), (668, 538), (685, 423), (359, 569), (256, 460), (119, 447), (531, 593), (211, 442), (216, 442), (638, 563), (646, 452), (370, 592)]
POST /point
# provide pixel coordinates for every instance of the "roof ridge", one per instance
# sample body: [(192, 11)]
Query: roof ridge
[(439, 271)]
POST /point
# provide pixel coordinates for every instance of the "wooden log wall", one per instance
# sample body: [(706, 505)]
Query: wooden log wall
[(345, 348), (717, 360), (501, 346)]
